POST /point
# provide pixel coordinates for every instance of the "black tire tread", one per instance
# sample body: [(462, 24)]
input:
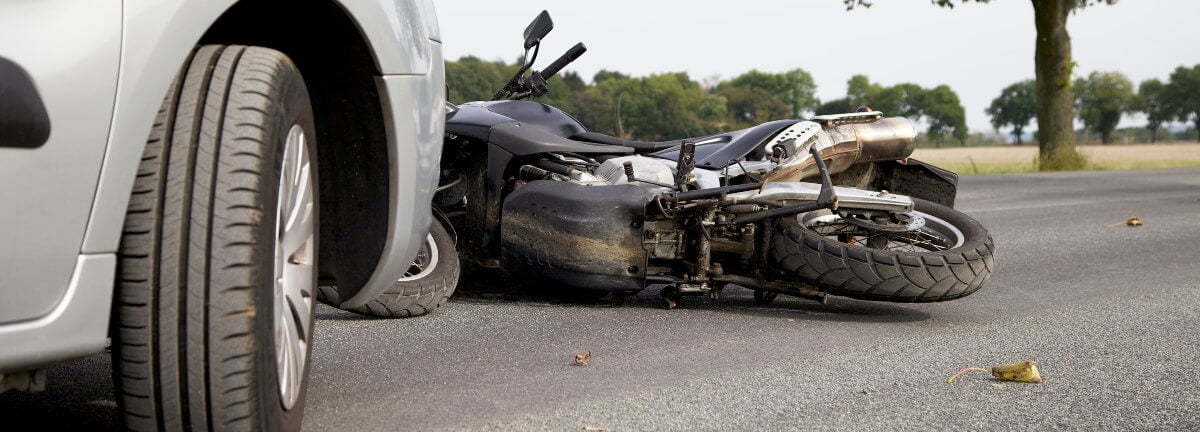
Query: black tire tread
[(872, 274), (411, 298), (184, 340)]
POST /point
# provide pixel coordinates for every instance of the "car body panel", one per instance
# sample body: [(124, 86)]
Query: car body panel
[(47, 191), (408, 117), (126, 54), (76, 326)]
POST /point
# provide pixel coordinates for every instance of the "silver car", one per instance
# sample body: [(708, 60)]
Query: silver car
[(183, 175)]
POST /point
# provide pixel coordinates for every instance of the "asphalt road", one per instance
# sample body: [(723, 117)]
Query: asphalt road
[(1111, 313)]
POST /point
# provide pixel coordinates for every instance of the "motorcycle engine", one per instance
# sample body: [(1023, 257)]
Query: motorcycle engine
[(645, 169), (658, 175)]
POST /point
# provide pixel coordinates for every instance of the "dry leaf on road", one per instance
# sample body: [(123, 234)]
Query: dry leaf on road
[(582, 359), (1025, 371)]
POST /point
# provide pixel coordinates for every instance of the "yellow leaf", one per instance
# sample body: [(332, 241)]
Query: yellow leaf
[(1025, 371)]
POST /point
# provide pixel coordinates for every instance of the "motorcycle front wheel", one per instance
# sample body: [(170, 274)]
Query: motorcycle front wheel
[(933, 253)]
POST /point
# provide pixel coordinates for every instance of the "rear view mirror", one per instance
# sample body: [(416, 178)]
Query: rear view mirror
[(538, 29)]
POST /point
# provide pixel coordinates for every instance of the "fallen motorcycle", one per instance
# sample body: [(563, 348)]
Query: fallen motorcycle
[(826, 206)]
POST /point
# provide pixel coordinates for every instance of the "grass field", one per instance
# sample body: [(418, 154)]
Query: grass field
[(1015, 159)]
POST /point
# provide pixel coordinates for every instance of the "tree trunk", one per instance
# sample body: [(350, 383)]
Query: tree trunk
[(1105, 136), (1055, 110), (1153, 134), (1017, 132), (1197, 127)]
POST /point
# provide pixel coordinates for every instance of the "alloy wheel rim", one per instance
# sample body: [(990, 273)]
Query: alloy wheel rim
[(294, 255), (425, 261), (931, 234)]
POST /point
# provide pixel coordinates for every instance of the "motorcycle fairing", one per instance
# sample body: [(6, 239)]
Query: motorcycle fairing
[(524, 127), (718, 151)]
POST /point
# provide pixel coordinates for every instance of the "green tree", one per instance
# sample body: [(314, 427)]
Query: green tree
[(1053, 65), (941, 107), (794, 89), (1152, 102), (664, 106), (749, 106), (472, 79), (1183, 95), (1102, 98), (835, 106), (605, 75), (1016, 106)]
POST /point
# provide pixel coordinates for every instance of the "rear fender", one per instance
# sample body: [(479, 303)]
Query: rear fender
[(912, 178)]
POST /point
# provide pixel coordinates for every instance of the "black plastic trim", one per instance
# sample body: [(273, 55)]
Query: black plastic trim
[(24, 122)]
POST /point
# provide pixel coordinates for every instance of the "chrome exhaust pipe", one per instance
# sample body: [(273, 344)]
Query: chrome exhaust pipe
[(843, 140)]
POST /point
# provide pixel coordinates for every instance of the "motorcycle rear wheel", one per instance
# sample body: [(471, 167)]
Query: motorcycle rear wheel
[(948, 258)]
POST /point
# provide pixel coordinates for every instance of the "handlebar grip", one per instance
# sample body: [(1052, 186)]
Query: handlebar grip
[(563, 61)]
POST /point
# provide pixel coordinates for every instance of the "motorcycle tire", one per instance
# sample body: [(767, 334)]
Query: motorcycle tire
[(424, 288), (851, 269)]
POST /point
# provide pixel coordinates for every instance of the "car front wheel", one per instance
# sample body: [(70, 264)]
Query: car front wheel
[(213, 319)]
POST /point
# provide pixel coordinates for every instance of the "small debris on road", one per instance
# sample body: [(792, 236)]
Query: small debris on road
[(593, 429), (1025, 371), (1133, 221), (963, 371), (582, 359)]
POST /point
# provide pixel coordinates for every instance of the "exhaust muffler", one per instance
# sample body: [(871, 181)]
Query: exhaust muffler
[(842, 140)]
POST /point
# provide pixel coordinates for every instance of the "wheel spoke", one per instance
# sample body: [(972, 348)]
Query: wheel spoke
[(923, 238), (298, 238), (299, 299)]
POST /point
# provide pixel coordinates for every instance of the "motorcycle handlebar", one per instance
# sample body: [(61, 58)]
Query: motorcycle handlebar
[(563, 61)]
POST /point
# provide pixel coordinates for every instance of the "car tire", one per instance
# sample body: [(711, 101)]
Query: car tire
[(217, 264), (422, 290)]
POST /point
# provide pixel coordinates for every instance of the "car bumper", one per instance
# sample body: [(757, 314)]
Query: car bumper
[(76, 327)]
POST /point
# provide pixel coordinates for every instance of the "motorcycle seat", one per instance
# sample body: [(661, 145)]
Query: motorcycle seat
[(637, 146)]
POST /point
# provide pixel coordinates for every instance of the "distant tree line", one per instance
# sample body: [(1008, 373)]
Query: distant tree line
[(672, 105), (1103, 98)]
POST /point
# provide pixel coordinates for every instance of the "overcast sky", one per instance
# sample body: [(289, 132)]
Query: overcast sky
[(977, 49)]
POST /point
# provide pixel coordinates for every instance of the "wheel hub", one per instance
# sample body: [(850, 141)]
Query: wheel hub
[(294, 257)]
